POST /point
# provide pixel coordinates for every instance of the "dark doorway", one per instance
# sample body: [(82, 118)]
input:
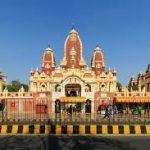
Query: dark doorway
[(73, 90), (57, 106), (88, 106)]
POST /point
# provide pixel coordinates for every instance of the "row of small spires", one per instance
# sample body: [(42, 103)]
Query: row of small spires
[(37, 70), (142, 73)]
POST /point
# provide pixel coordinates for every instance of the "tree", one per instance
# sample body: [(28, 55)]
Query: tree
[(119, 86), (25, 86), (16, 85)]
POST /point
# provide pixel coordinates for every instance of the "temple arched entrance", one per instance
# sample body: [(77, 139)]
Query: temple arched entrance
[(73, 90)]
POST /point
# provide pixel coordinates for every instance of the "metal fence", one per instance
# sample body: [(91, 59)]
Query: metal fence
[(75, 118)]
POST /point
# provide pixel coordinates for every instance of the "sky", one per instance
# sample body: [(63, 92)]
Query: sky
[(121, 27)]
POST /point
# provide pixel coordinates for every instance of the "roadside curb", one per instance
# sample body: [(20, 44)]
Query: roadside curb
[(81, 129)]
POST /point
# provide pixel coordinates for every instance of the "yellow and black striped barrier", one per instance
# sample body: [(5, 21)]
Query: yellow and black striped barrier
[(75, 129)]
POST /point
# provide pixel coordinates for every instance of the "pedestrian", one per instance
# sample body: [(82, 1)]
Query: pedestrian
[(107, 114)]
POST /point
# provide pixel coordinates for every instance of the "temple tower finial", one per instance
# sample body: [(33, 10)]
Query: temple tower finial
[(73, 25), (49, 46)]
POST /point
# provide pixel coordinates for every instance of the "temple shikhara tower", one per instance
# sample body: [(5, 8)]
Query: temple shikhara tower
[(73, 87), (73, 52)]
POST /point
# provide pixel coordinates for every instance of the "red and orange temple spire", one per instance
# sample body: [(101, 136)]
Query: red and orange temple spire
[(97, 62), (48, 61), (73, 51)]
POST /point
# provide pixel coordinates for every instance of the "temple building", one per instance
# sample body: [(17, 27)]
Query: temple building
[(142, 82), (73, 87), (72, 84)]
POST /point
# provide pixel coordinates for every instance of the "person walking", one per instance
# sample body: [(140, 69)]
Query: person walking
[(107, 114)]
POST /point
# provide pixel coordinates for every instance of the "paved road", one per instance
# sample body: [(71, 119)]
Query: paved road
[(41, 142)]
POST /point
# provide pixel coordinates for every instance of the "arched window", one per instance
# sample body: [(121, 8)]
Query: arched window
[(88, 88), (58, 88), (103, 87), (43, 87)]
